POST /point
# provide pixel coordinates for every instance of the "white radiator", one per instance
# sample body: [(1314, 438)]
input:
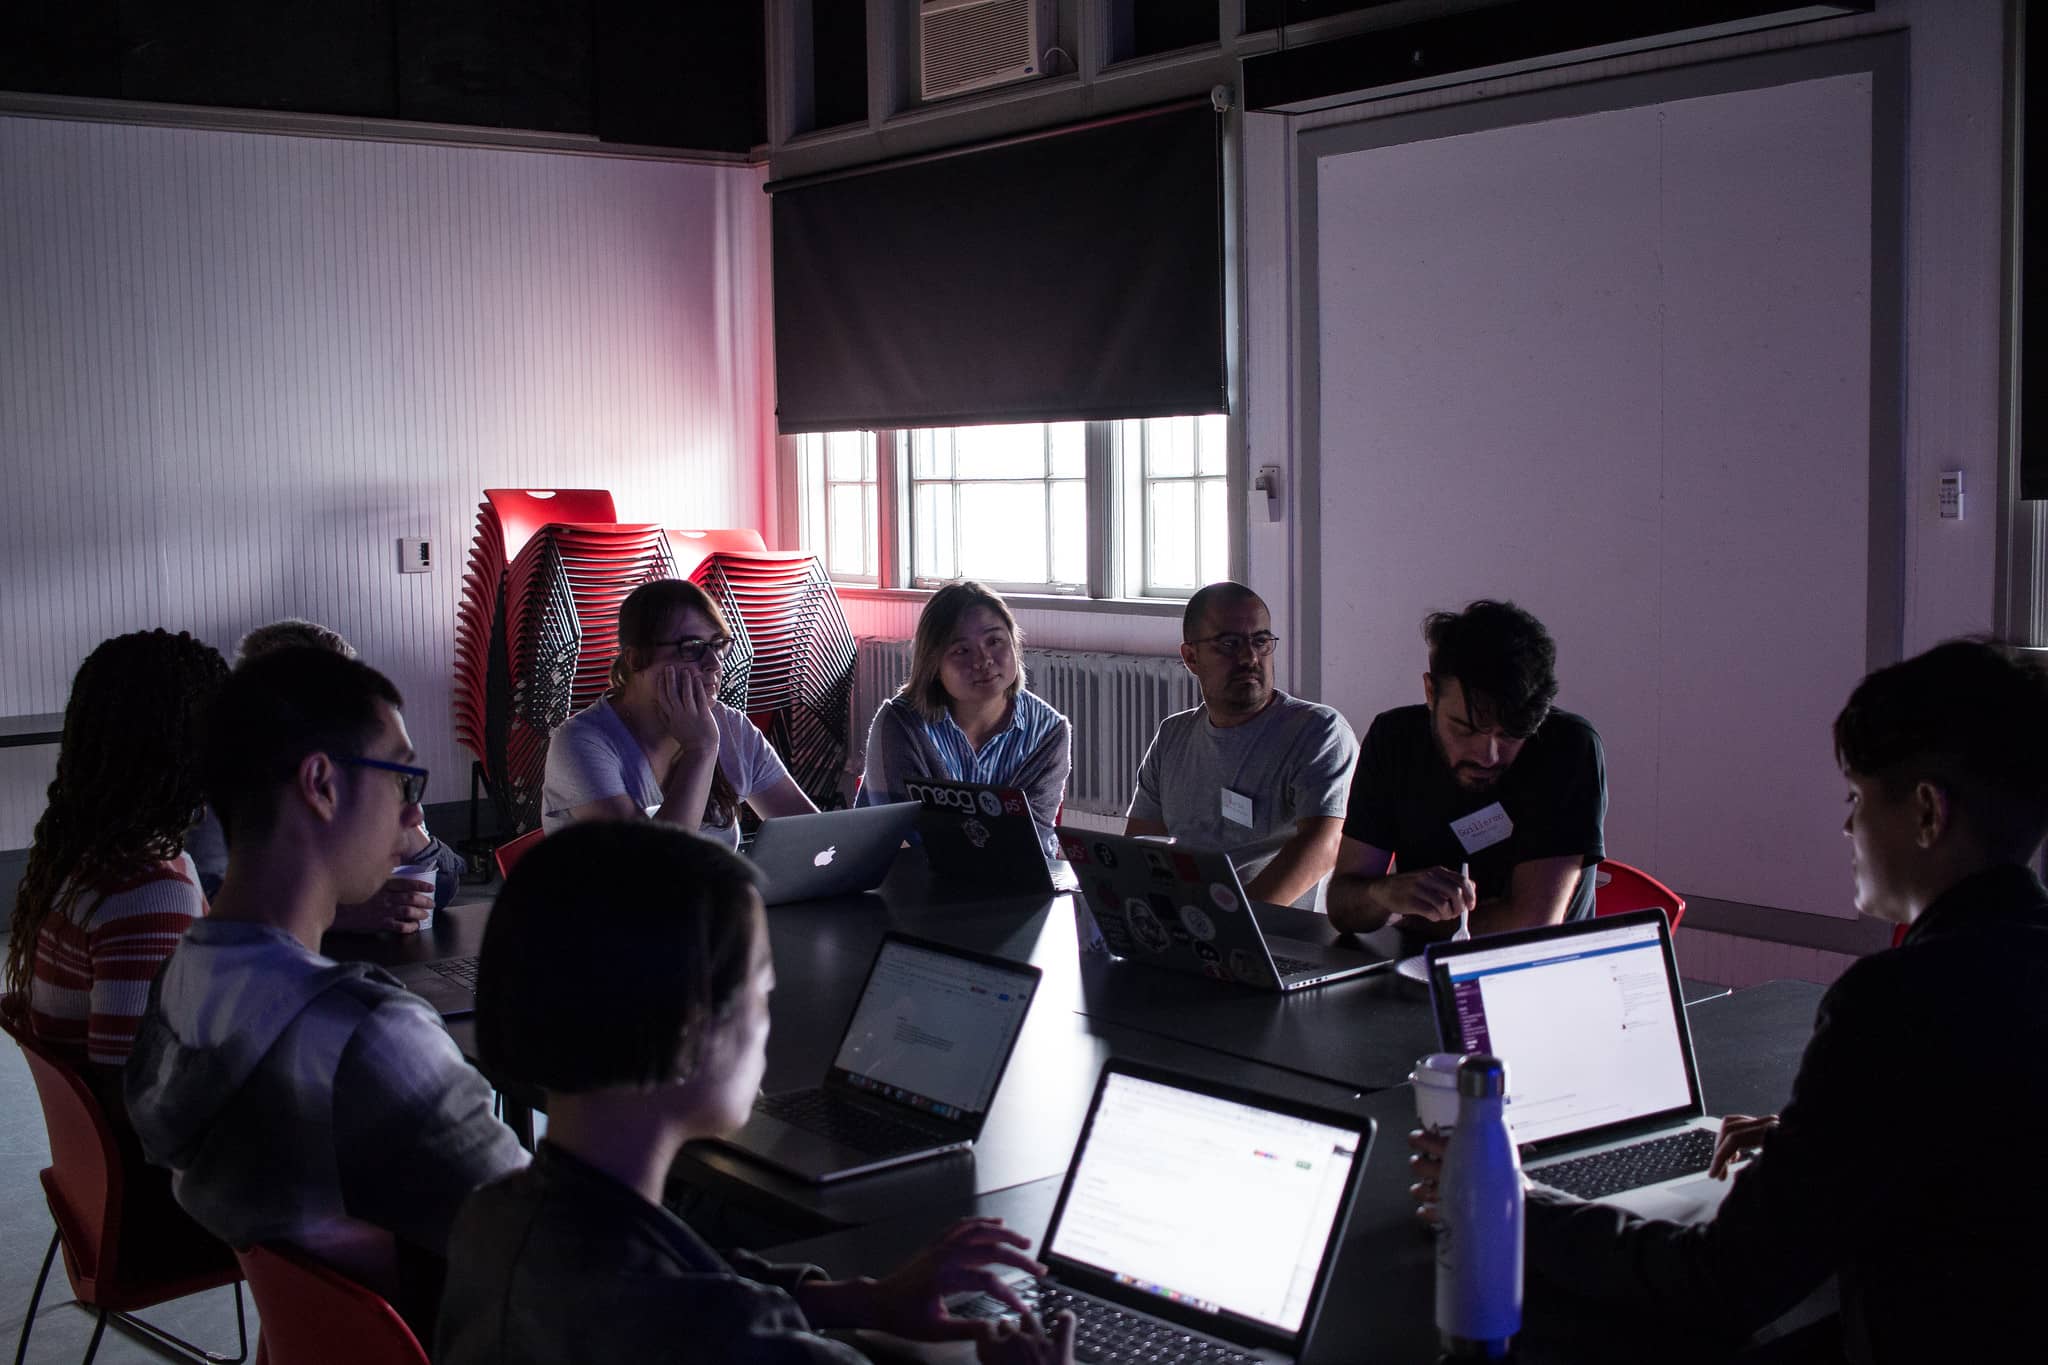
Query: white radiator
[(1115, 701)]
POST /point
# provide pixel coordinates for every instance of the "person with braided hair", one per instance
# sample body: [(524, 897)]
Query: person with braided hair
[(109, 890)]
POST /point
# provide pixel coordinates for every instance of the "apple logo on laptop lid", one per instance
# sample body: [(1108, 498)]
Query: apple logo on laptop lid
[(826, 857)]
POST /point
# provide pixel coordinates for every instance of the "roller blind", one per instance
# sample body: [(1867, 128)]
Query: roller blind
[(1069, 276)]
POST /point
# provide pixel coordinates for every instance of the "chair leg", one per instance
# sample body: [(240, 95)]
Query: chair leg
[(21, 1349), (133, 1323), (99, 1328)]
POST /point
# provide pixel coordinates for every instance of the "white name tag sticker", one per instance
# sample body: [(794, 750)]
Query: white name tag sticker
[(1483, 828), (1237, 808)]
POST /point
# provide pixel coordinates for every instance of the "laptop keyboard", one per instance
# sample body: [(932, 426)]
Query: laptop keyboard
[(1631, 1168), (1293, 966), (850, 1125), (461, 970), (1105, 1334)]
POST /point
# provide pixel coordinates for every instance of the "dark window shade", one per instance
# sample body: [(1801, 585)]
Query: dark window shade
[(1069, 277)]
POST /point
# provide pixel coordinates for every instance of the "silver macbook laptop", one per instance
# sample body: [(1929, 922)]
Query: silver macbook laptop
[(831, 853), (1198, 1221), (1603, 1097), (980, 836), (1183, 909), (916, 1069)]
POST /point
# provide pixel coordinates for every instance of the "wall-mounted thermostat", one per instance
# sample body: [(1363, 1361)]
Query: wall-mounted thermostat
[(414, 555), (1952, 495)]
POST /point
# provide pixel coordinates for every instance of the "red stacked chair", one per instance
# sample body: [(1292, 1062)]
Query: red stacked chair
[(692, 548), (797, 679), (539, 627), (505, 521)]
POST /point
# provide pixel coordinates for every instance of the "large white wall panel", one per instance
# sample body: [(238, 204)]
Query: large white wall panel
[(1616, 367), (235, 368)]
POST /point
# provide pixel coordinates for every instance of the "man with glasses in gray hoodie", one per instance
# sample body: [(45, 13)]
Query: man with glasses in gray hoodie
[(297, 1099)]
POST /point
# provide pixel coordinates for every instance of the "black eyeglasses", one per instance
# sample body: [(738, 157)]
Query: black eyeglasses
[(411, 781), (1231, 644), (692, 650)]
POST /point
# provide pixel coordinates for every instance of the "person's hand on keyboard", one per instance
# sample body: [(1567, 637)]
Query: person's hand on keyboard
[(398, 908), (1026, 1342), (1742, 1137), (910, 1302)]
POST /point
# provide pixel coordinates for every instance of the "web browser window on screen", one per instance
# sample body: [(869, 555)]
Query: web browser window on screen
[(936, 1026), (1586, 1025), (1208, 1202)]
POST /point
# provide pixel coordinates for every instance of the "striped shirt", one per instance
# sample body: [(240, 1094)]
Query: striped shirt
[(94, 963), (1001, 756)]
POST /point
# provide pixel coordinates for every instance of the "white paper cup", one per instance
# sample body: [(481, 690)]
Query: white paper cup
[(417, 872), (1435, 1079)]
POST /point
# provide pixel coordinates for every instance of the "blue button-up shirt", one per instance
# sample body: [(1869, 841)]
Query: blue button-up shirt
[(999, 758)]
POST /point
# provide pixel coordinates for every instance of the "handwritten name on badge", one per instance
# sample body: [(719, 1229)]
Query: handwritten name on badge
[(1483, 828)]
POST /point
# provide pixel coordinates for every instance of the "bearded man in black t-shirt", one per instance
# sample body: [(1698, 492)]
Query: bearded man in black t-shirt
[(1484, 801)]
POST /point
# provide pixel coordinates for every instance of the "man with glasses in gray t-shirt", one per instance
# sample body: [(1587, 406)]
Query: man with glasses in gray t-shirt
[(1252, 771)]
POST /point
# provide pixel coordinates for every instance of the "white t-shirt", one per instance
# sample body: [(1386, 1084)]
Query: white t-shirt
[(592, 755)]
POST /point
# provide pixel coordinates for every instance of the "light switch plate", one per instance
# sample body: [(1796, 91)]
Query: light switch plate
[(414, 555), (1952, 495)]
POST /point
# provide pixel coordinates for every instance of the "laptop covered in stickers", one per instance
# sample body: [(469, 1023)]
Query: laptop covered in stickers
[(980, 836), (1183, 909)]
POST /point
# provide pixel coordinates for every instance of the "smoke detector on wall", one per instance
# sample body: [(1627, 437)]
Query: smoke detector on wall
[(966, 45)]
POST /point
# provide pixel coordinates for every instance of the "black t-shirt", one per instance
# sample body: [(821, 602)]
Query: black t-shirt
[(1403, 800)]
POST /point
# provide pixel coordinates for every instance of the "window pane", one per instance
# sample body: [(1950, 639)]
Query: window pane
[(1209, 436), (843, 456), (1005, 537), (1070, 532), (1069, 441), (1011, 452), (931, 454), (933, 551), (1169, 446), (1170, 560), (1215, 531), (849, 535), (868, 556), (810, 476)]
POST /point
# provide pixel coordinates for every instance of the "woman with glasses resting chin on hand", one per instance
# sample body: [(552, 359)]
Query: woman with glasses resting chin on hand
[(660, 743), (964, 714)]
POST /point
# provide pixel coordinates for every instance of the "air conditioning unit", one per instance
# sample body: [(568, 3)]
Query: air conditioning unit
[(968, 45)]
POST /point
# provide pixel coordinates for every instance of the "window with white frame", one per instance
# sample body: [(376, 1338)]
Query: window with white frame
[(1007, 505), (1136, 508), (837, 502)]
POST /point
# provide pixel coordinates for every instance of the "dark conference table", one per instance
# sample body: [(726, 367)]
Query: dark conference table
[(1348, 1045), (1381, 1306)]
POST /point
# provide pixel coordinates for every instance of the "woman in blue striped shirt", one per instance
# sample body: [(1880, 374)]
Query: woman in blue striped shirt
[(964, 714)]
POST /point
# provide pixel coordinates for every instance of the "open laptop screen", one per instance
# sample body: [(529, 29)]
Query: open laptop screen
[(1588, 1021), (934, 1029), (1205, 1202)]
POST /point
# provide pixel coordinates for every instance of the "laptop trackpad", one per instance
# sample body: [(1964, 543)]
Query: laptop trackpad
[(1693, 1200), (789, 1147)]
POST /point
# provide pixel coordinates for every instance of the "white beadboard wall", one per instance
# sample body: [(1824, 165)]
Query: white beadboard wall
[(236, 367)]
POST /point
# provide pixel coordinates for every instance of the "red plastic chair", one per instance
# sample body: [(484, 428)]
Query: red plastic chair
[(692, 548), (509, 854), (1618, 887), (126, 1245), (314, 1315)]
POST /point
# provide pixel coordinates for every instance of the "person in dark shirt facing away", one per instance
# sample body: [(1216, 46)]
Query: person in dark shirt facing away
[(644, 1037), (1907, 1161), (1484, 775)]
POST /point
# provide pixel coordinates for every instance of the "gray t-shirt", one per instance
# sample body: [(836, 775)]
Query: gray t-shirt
[(1292, 761), (593, 755)]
